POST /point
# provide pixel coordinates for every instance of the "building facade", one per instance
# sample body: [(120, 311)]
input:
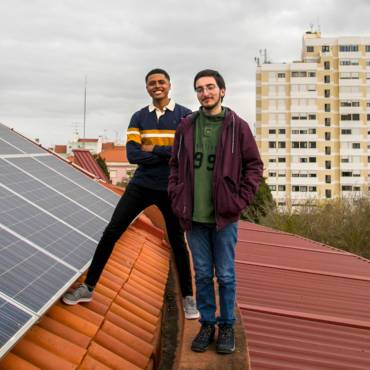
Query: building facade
[(313, 121)]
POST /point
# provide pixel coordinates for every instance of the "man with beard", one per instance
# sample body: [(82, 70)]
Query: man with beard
[(215, 172)]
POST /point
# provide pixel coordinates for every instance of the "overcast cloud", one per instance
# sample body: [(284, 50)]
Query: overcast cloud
[(47, 48)]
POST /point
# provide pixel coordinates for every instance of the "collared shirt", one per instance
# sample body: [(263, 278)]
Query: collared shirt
[(159, 113)]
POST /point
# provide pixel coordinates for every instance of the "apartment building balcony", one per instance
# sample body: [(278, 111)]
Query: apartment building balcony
[(346, 110), (350, 95), (272, 166), (277, 152), (299, 137), (311, 181), (351, 138), (303, 123), (300, 152), (350, 68), (276, 180), (304, 166), (303, 80), (303, 108), (303, 195), (349, 55), (351, 166), (304, 94), (344, 180), (350, 82)]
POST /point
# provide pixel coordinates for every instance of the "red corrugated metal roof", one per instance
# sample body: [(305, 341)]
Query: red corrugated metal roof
[(305, 305), (84, 159)]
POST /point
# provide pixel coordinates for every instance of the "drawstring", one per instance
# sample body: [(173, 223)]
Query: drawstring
[(178, 152), (233, 138)]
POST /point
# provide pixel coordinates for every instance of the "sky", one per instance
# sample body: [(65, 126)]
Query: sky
[(48, 47)]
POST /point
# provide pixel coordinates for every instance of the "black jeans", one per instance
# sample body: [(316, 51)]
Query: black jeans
[(135, 200)]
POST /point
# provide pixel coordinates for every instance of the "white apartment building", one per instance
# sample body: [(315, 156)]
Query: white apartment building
[(313, 121)]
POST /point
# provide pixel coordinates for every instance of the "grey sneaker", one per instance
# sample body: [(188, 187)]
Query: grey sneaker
[(190, 308), (81, 294)]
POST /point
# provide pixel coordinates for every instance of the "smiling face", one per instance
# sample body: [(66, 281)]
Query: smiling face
[(158, 86), (209, 94)]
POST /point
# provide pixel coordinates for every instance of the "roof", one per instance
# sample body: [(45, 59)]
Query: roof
[(117, 154), (109, 145), (83, 140), (305, 305), (60, 149), (84, 159), (120, 327)]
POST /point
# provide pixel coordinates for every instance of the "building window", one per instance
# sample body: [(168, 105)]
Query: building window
[(367, 48), (348, 48), (327, 150), (272, 174), (311, 74), (346, 131), (272, 187), (281, 131), (281, 144), (327, 121), (312, 144), (327, 136), (356, 146), (327, 79), (281, 187), (325, 48), (312, 159), (281, 75), (327, 193), (309, 49), (272, 144), (326, 65), (346, 187), (327, 93), (327, 179), (328, 165), (281, 159), (327, 107), (272, 131)]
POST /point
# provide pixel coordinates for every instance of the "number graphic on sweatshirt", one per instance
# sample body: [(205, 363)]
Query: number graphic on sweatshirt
[(198, 160)]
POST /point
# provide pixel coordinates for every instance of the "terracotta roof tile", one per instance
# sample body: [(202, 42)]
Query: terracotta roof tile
[(122, 349), (39, 356), (125, 336), (64, 331), (110, 359), (90, 363), (14, 362)]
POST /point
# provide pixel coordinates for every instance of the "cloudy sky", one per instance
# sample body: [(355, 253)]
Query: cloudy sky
[(47, 48)]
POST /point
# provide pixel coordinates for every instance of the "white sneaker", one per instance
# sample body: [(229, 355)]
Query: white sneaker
[(190, 308), (81, 294)]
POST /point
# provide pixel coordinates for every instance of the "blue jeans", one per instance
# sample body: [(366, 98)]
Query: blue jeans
[(214, 251)]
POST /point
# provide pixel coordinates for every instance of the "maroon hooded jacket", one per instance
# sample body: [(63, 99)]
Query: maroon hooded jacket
[(236, 176)]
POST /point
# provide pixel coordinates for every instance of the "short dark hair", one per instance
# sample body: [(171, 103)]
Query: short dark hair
[(211, 73), (155, 71)]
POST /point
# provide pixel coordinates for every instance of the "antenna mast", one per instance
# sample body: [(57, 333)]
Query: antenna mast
[(85, 106)]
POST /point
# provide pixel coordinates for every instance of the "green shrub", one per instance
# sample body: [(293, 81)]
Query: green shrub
[(342, 223)]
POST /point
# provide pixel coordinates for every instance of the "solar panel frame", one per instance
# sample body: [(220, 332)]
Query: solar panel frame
[(45, 204)]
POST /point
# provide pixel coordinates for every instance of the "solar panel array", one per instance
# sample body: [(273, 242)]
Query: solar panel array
[(51, 219)]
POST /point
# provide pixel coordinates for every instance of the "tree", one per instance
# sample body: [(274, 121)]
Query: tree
[(261, 205), (101, 162)]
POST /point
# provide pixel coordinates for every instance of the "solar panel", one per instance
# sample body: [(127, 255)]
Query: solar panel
[(13, 321), (17, 141), (28, 275), (51, 218)]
